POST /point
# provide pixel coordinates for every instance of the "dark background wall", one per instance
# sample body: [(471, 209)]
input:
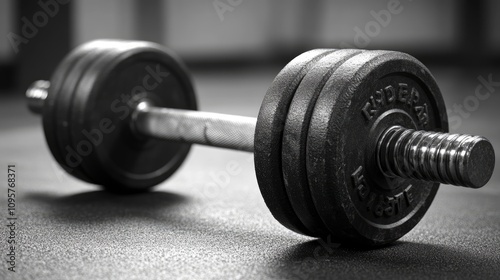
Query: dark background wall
[(217, 32)]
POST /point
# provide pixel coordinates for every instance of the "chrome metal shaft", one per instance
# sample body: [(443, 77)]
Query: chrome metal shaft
[(211, 129)]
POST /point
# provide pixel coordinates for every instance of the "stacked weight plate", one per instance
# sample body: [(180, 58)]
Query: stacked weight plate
[(88, 109), (316, 139)]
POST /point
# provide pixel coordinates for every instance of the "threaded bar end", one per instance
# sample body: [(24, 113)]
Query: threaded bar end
[(36, 95), (456, 159)]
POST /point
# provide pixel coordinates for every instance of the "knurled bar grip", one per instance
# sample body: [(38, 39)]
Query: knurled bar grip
[(212, 129)]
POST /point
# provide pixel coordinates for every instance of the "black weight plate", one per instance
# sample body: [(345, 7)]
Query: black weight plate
[(95, 50), (366, 95), (295, 137), (65, 103), (268, 138), (52, 107), (128, 73)]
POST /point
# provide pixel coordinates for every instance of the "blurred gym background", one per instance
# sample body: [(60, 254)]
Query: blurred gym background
[(212, 33)]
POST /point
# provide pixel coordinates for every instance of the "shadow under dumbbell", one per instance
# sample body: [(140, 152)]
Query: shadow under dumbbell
[(157, 210), (102, 205), (399, 259)]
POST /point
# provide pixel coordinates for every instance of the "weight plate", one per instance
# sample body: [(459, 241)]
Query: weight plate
[(128, 73), (295, 136), (95, 52), (268, 138), (52, 107), (367, 94), (65, 103)]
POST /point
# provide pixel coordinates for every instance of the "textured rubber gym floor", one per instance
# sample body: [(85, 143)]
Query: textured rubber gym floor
[(209, 221)]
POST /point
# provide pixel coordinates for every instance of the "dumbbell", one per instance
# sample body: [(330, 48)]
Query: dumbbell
[(349, 145)]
